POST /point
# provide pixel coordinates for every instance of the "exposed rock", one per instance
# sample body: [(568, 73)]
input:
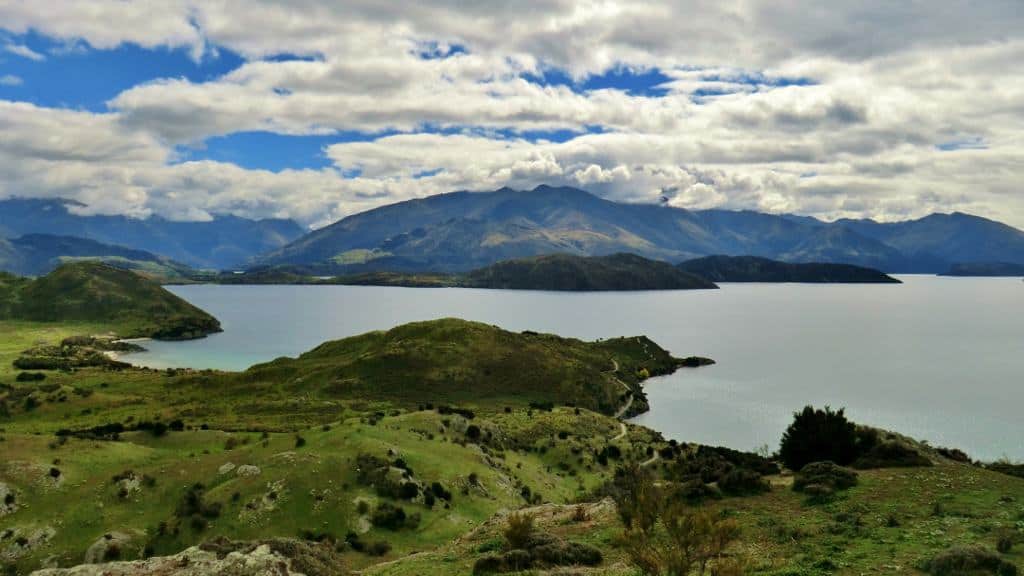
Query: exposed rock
[(110, 546), (8, 500), (247, 470), (276, 557), (18, 542), (225, 468)]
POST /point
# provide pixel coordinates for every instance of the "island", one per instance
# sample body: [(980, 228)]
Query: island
[(756, 269)]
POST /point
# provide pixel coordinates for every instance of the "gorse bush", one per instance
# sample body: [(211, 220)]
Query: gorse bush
[(518, 530)]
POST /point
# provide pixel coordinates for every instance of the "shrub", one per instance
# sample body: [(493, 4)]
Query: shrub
[(378, 548), (299, 441), (30, 377), (740, 481), (819, 435), (968, 560), (566, 554), (473, 432), (696, 492), (518, 530), (1004, 544), (823, 478), (391, 517)]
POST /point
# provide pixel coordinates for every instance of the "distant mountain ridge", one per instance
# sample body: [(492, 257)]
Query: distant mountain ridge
[(37, 254), (460, 231), (223, 242)]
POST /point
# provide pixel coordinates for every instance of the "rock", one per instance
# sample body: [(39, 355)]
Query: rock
[(225, 468), (110, 546), (8, 500), (23, 542), (247, 470), (222, 557)]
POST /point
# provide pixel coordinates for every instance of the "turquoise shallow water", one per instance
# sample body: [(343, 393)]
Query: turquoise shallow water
[(940, 359)]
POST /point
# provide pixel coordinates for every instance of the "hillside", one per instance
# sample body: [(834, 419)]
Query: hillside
[(577, 273), (754, 269), (36, 254), (223, 242), (98, 293), (458, 361), (460, 231), (291, 467)]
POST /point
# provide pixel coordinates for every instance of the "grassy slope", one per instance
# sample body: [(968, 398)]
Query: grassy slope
[(317, 489), (458, 361), (94, 292)]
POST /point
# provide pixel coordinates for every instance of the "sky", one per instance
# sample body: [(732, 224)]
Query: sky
[(314, 111)]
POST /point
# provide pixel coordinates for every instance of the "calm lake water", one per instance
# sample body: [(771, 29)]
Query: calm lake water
[(935, 358)]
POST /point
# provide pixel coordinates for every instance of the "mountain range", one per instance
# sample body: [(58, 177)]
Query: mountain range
[(460, 231), (38, 254), (221, 243)]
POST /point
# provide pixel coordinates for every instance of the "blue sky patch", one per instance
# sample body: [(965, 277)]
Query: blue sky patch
[(269, 151), (967, 143), (85, 79), (645, 82)]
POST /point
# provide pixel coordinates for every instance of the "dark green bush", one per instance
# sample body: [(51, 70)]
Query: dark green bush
[(696, 491), (30, 377), (741, 482), (391, 517), (819, 435)]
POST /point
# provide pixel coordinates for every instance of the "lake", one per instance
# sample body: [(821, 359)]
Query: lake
[(935, 358)]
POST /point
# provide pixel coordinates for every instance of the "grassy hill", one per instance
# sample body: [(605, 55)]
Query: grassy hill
[(95, 292), (754, 269), (457, 361)]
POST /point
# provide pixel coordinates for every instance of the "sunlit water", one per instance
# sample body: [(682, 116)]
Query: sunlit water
[(940, 359)]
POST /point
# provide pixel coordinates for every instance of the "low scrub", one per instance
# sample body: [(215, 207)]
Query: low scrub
[(891, 454), (823, 478), (962, 560)]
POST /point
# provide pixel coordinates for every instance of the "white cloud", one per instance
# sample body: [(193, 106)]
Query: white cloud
[(782, 105), (10, 80), (24, 52)]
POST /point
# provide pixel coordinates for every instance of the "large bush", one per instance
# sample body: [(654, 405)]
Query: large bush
[(817, 435)]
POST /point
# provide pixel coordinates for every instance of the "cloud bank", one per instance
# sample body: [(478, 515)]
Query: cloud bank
[(851, 109)]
